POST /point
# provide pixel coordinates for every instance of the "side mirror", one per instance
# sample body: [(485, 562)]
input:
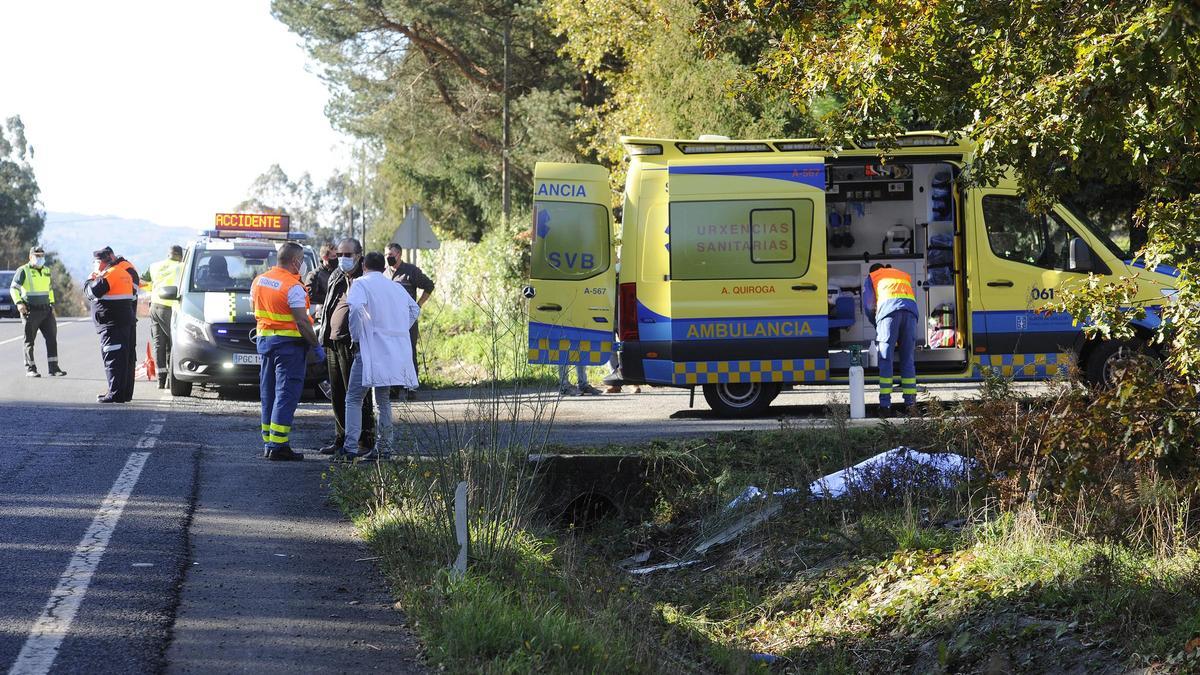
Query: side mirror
[(1081, 256), (169, 293)]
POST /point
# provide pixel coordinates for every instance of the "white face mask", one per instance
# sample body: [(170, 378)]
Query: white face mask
[(346, 264), (39, 261)]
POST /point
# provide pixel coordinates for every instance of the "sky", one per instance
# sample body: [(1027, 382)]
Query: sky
[(160, 109)]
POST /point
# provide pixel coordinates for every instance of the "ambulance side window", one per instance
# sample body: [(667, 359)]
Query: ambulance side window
[(570, 241), (1018, 235), (741, 239)]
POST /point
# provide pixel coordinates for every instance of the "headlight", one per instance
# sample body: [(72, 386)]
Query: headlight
[(194, 329)]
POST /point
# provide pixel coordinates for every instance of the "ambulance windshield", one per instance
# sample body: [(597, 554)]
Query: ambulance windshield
[(222, 268)]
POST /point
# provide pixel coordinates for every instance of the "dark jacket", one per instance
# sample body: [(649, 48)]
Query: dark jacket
[(411, 278), (317, 284), (335, 323), (107, 313)]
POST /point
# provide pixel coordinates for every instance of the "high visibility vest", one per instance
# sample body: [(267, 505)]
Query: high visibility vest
[(120, 281), (893, 291), (269, 297), (164, 273), (34, 287)]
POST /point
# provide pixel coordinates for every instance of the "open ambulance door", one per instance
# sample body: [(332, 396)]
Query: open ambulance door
[(749, 311), (572, 278)]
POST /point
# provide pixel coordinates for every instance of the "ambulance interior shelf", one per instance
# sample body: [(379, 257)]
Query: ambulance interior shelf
[(901, 215)]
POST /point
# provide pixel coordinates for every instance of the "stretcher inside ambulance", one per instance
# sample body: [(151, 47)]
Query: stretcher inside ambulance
[(212, 331), (742, 265)]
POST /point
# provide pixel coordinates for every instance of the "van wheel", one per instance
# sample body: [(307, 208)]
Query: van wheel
[(1107, 363), (178, 387), (741, 399)]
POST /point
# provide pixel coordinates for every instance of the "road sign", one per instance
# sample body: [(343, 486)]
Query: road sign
[(416, 232)]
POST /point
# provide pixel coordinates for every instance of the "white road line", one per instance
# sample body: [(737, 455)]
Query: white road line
[(48, 633)]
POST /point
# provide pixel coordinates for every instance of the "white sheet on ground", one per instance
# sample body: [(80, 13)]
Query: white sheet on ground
[(837, 484)]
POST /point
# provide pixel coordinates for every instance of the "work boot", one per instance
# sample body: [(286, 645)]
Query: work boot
[(368, 456), (57, 372), (330, 449), (32, 372), (284, 454), (884, 412), (162, 381)]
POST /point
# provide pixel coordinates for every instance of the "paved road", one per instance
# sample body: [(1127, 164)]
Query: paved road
[(151, 537)]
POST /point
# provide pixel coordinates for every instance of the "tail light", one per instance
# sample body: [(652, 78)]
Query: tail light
[(627, 312)]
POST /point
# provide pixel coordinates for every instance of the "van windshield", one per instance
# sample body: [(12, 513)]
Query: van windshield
[(217, 269), (1101, 233)]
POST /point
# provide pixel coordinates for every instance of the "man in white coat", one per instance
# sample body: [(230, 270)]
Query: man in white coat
[(381, 314)]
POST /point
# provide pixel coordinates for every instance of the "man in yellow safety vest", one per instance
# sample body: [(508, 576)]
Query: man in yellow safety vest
[(33, 295), (157, 277)]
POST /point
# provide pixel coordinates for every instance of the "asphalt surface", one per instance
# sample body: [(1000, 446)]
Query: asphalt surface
[(217, 561)]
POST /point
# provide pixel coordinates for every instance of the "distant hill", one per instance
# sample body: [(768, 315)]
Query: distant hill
[(75, 235)]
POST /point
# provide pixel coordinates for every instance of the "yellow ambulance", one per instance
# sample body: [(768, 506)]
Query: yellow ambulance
[(741, 266)]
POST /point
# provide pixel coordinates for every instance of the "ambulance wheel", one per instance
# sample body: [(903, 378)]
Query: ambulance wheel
[(1107, 363), (741, 399)]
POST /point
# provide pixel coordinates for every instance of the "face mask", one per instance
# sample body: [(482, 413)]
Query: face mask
[(391, 260), (331, 262), (346, 264), (39, 261)]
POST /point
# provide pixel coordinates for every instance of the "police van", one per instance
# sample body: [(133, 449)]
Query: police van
[(212, 330), (742, 264)]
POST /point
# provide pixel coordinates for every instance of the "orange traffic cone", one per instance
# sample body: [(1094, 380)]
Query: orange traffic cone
[(148, 366)]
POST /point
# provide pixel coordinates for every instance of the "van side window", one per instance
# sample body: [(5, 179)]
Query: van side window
[(1016, 234), (570, 241), (741, 239)]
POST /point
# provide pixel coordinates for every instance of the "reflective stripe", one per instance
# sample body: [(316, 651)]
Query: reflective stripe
[(262, 313), (276, 439), (267, 332), (280, 427), (885, 390), (110, 348), (122, 296)]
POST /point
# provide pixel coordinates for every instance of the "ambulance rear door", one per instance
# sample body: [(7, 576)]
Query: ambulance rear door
[(748, 271), (572, 268)]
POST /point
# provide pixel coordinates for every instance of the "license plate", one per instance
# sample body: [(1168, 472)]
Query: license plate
[(5, 308), (247, 359)]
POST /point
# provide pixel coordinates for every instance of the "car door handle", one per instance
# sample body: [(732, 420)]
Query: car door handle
[(1001, 282), (550, 308), (804, 287)]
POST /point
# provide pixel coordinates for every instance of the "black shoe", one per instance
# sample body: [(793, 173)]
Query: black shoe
[(368, 456), (284, 454), (902, 410), (330, 449), (884, 412), (106, 399), (410, 395), (341, 455), (57, 372), (29, 372)]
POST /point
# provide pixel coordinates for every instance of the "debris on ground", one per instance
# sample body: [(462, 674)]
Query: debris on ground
[(947, 468)]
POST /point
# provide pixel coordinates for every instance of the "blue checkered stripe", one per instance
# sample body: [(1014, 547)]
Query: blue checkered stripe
[(570, 352), (1023, 366), (773, 370)]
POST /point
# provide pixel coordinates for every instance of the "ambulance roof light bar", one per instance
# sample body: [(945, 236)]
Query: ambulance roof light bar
[(239, 234), (690, 148)]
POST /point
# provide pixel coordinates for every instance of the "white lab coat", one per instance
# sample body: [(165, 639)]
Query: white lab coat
[(381, 314)]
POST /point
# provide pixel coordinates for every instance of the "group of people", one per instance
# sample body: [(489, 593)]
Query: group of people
[(364, 328)]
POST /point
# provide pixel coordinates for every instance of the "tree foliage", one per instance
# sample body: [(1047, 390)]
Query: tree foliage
[(326, 212), (425, 79), (1066, 91), (21, 219)]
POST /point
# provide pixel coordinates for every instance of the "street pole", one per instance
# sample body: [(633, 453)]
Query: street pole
[(504, 177)]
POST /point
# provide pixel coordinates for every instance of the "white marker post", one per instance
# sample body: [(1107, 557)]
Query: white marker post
[(460, 528)]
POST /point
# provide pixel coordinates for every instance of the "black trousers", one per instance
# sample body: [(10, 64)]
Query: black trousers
[(119, 351), (339, 359), (160, 333), (41, 319)]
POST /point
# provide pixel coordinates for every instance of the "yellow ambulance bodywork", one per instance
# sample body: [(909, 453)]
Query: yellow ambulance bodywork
[(725, 268)]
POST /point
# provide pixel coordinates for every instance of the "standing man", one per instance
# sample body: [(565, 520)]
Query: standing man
[(160, 275), (112, 291), (285, 334), (411, 278), (335, 337), (32, 293), (380, 318), (891, 305), (317, 282)]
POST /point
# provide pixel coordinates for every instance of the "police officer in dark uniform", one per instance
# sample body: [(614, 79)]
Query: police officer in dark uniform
[(112, 292)]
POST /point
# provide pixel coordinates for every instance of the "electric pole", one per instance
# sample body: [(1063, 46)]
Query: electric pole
[(504, 177)]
